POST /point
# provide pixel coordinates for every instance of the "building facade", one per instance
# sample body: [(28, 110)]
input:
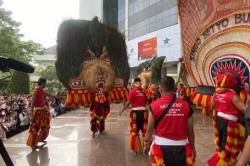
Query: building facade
[(150, 28), (105, 10), (42, 61)]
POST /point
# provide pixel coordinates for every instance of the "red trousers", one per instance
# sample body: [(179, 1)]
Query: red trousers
[(39, 128)]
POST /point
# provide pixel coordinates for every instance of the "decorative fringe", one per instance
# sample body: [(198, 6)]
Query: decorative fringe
[(190, 92), (189, 155), (234, 144), (157, 156), (134, 139), (119, 94), (76, 98), (203, 102), (39, 129)]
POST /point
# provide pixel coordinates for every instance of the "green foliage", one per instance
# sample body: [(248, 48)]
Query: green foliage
[(20, 83), (11, 44), (53, 85), (49, 72), (76, 36)]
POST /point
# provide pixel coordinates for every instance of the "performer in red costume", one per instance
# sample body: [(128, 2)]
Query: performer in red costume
[(99, 110), (138, 115), (171, 121), (229, 134), (40, 116)]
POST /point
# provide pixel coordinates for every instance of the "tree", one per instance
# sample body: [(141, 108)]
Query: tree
[(11, 45), (20, 83), (49, 73)]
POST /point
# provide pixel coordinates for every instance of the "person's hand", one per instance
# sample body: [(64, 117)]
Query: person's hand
[(146, 147), (120, 112), (194, 153)]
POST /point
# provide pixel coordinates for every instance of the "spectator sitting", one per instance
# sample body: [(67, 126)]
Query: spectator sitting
[(24, 118)]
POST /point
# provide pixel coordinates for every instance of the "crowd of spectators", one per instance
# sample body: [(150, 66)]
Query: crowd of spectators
[(15, 113)]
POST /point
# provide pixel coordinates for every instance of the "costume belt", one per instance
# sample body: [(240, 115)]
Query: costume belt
[(138, 109), (165, 141), (227, 116)]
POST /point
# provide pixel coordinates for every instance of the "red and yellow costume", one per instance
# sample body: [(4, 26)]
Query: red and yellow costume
[(99, 110), (138, 117), (39, 127), (228, 133)]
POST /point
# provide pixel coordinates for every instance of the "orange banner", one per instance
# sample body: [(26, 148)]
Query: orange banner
[(147, 48)]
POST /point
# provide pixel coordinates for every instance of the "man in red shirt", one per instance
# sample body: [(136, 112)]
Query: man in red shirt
[(138, 115), (171, 121), (40, 116)]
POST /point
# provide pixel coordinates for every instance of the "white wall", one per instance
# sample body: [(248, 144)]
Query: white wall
[(172, 49), (90, 8)]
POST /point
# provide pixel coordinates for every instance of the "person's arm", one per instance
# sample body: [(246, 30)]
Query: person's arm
[(4, 127), (32, 103), (245, 155), (191, 137), (239, 104), (126, 105), (149, 132)]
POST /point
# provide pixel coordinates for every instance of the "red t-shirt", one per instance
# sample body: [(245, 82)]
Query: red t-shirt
[(137, 97), (40, 99), (175, 124), (223, 102)]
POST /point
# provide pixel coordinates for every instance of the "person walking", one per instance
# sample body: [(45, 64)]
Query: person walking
[(40, 116), (138, 116), (170, 119)]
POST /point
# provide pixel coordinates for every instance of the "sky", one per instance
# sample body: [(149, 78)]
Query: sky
[(41, 18)]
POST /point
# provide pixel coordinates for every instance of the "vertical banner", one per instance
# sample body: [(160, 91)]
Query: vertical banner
[(147, 48)]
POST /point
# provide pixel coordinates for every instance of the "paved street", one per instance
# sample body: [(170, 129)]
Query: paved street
[(70, 143)]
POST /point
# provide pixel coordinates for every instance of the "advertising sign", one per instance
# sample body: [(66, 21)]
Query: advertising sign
[(164, 42), (147, 48)]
